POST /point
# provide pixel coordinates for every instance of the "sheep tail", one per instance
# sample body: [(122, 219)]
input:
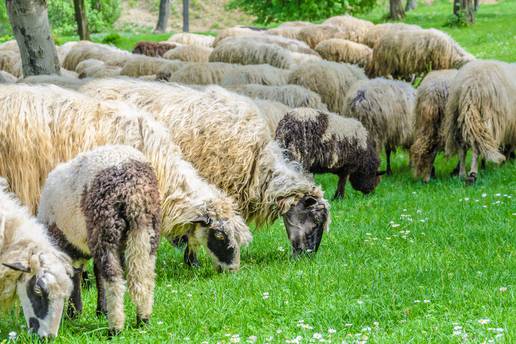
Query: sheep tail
[(140, 260)]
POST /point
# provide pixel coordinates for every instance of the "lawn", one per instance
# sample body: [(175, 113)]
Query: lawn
[(411, 263)]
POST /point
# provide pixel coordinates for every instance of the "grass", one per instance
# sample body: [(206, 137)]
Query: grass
[(412, 263)]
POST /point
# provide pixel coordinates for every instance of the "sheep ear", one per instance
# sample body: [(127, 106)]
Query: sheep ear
[(17, 266), (380, 173)]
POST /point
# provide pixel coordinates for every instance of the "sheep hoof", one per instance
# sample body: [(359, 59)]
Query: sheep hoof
[(471, 179), (140, 322)]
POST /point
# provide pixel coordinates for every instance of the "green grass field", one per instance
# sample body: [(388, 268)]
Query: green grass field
[(412, 263)]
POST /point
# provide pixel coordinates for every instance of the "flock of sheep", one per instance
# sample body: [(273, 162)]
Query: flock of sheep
[(193, 138)]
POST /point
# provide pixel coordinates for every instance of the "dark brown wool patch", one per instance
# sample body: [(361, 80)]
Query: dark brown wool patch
[(303, 141), (153, 49), (120, 199), (60, 240)]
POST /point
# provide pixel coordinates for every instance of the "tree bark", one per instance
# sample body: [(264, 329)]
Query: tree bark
[(97, 5), (186, 16), (396, 10), (164, 13), (81, 19), (466, 9), (456, 7), (411, 5), (29, 20)]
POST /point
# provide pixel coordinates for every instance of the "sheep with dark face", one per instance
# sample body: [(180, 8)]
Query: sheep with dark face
[(325, 142), (105, 204), (31, 268), (386, 109)]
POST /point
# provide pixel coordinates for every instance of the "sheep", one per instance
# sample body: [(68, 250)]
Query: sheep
[(187, 38), (386, 108), (330, 80), (153, 49), (92, 68), (10, 62), (291, 32), (298, 23), (32, 269), (6, 78), (402, 54), (481, 114), (86, 50), (341, 50), (255, 74), (139, 65), (105, 204), (431, 97), (189, 53), (58, 80), (313, 35), (351, 28), (292, 45), (233, 32), (291, 95), (374, 33), (300, 58), (226, 138), (63, 50), (272, 112), (165, 71), (54, 125), (250, 52), (325, 142)]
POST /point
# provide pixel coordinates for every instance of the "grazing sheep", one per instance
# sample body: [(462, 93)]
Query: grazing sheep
[(187, 38), (292, 45), (10, 62), (140, 65), (272, 112), (341, 50), (376, 32), (403, 54), (351, 28), (300, 58), (105, 204), (70, 83), (59, 124), (481, 113), (166, 70), (386, 108), (325, 142), (11, 45), (227, 140), (291, 95), (6, 78), (313, 35), (189, 53), (431, 99), (199, 73), (330, 80), (85, 50), (63, 50), (233, 32), (153, 49), (31, 268), (255, 74), (291, 32), (92, 68), (248, 52)]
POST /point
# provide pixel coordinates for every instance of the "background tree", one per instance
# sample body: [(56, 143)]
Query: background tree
[(186, 15), (164, 13), (465, 10), (29, 20), (396, 11), (411, 5), (81, 19)]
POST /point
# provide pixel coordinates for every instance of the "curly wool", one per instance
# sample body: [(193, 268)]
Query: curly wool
[(58, 124), (189, 53), (248, 52), (481, 110), (96, 69), (292, 45), (255, 74), (140, 65), (272, 112), (351, 28), (290, 32), (331, 80), (431, 98), (402, 54), (226, 139), (68, 82), (10, 62), (291, 95), (385, 108), (341, 50), (376, 32), (187, 38), (233, 32), (7, 78), (313, 35), (85, 50)]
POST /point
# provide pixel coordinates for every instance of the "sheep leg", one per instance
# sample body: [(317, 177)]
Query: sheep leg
[(140, 271), (190, 257), (75, 303), (472, 176), (341, 187), (388, 152), (462, 163), (101, 292), (483, 164), (509, 153)]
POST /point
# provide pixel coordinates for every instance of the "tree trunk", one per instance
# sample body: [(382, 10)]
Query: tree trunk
[(477, 5), (186, 16), (29, 20), (97, 6), (164, 13), (81, 19), (396, 10), (456, 7), (467, 9), (411, 5)]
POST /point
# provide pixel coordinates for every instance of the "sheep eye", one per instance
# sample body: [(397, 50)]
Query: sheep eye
[(219, 235)]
